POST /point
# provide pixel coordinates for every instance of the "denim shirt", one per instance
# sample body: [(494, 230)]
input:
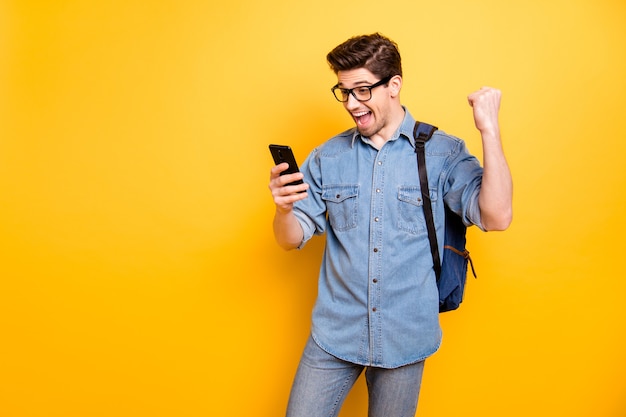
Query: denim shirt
[(377, 302)]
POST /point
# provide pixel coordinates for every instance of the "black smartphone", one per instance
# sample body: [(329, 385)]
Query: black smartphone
[(283, 153)]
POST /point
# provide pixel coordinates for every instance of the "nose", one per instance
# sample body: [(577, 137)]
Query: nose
[(352, 102)]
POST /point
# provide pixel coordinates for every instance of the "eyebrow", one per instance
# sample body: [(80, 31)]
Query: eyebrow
[(357, 84)]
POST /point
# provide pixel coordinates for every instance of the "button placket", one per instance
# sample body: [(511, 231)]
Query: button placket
[(376, 259)]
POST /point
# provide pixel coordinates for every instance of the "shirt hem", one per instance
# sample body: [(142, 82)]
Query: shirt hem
[(411, 361)]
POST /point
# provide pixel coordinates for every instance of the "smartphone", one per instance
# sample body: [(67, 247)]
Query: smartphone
[(283, 153)]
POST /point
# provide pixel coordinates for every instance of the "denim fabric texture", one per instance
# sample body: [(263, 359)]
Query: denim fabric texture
[(377, 301), (323, 382)]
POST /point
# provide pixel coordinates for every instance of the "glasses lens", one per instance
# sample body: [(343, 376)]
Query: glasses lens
[(340, 95), (363, 93)]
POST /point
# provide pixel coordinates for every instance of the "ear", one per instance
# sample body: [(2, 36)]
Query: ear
[(395, 85)]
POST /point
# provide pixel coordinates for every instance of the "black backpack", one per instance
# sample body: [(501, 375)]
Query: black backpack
[(451, 272)]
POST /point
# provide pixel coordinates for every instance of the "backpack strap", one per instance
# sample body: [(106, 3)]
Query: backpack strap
[(422, 132)]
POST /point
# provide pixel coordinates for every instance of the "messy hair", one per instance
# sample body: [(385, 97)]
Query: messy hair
[(374, 52)]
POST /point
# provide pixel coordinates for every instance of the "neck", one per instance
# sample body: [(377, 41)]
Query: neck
[(393, 123)]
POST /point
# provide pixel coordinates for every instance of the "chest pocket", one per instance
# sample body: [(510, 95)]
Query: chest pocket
[(341, 205), (411, 211)]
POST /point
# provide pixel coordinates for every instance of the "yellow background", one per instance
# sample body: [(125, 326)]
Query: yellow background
[(138, 272)]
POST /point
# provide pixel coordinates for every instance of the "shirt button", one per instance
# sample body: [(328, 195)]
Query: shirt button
[(374, 309), (374, 280), (375, 250), (376, 219), (380, 163), (378, 190)]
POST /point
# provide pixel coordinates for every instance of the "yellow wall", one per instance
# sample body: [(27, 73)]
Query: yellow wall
[(138, 273)]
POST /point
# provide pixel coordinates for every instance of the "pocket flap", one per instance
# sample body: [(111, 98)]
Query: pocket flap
[(339, 193), (413, 195)]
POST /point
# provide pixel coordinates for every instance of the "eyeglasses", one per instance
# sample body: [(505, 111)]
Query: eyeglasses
[(362, 93)]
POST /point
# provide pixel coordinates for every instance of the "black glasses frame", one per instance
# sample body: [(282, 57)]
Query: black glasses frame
[(350, 91)]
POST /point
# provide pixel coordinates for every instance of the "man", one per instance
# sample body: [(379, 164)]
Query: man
[(377, 305)]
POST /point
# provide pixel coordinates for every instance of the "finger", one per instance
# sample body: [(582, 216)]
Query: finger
[(277, 169), (471, 98), (484, 94), (287, 201), (290, 190), (279, 187), (288, 178)]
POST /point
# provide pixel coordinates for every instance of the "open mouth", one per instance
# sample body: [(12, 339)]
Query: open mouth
[(362, 117)]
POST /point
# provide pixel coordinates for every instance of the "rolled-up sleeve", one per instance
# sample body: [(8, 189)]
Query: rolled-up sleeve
[(311, 212), (462, 186)]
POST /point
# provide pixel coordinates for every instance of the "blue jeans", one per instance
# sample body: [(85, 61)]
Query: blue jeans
[(323, 381)]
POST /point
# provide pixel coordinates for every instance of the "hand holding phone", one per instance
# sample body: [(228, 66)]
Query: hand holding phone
[(283, 153), (287, 229)]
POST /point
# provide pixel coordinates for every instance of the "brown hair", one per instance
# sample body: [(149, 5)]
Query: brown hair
[(374, 52)]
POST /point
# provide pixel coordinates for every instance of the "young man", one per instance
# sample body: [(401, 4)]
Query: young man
[(377, 305)]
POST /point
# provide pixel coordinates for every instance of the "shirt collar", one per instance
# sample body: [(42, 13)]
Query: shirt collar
[(405, 130)]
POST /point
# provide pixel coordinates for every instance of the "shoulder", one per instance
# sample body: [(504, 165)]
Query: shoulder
[(337, 145), (444, 144)]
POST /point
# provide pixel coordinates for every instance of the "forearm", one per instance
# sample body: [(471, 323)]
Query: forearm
[(496, 194), (287, 230)]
